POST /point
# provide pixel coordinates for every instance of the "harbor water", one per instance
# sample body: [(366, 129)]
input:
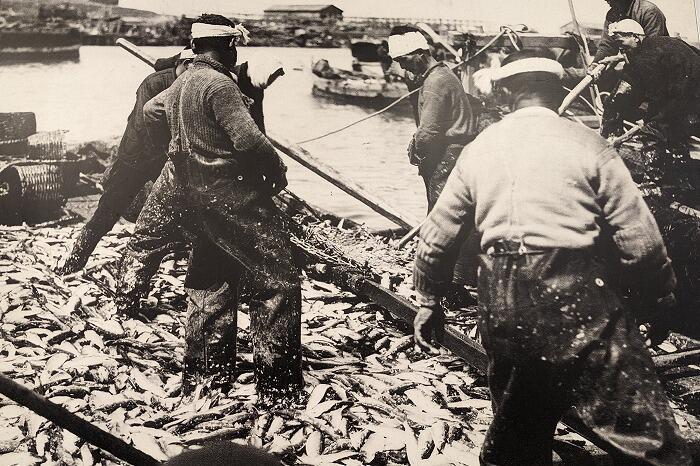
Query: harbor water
[(92, 98)]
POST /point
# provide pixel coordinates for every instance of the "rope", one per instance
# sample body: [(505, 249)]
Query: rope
[(504, 30)]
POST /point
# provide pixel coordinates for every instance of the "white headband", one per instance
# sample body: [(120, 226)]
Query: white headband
[(403, 44), (528, 65), (200, 30)]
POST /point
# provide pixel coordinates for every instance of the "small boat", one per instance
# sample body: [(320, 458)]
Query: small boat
[(26, 42), (365, 84)]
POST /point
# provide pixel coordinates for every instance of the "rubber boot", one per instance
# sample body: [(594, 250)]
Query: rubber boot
[(83, 246)]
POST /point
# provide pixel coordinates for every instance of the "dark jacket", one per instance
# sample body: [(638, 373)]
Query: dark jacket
[(666, 70), (445, 117), (136, 143), (648, 15)]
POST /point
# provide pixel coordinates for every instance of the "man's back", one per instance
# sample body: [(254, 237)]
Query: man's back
[(533, 174)]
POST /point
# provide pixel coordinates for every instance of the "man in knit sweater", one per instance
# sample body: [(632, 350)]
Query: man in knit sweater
[(541, 190), (217, 190), (446, 121)]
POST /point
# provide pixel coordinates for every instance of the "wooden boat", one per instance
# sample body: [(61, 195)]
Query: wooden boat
[(40, 43), (365, 84)]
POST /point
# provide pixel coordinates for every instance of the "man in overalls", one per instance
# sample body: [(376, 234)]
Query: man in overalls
[(217, 190), (542, 190)]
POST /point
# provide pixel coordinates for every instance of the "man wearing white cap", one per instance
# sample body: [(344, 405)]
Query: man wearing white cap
[(665, 71), (217, 189), (139, 159), (539, 188), (446, 122), (648, 15)]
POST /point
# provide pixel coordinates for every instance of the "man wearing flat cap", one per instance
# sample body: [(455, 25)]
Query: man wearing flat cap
[(139, 159), (543, 192), (216, 190)]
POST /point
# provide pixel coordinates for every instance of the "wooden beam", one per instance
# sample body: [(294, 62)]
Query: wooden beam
[(78, 426)]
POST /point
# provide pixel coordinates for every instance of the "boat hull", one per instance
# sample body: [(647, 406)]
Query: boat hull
[(39, 45), (373, 91)]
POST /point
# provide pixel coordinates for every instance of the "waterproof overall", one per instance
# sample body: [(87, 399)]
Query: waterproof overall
[(557, 336)]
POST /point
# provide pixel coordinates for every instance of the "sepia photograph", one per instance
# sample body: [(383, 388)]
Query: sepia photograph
[(368, 232)]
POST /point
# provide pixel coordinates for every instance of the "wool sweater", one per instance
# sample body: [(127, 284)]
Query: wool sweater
[(546, 181), (648, 15), (445, 115), (219, 129)]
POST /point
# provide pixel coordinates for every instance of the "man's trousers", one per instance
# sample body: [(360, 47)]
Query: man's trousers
[(557, 336), (233, 227)]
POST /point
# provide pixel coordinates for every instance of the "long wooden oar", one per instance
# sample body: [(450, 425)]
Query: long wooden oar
[(329, 174), (72, 423), (135, 51), (580, 87), (302, 156)]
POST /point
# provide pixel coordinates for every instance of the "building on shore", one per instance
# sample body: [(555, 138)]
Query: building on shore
[(323, 13), (589, 29)]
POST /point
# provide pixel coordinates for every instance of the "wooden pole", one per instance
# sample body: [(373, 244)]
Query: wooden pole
[(135, 51), (72, 423), (409, 236), (301, 155)]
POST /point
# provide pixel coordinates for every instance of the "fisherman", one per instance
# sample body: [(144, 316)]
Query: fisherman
[(139, 159), (542, 190), (216, 189), (648, 15), (446, 121), (665, 72)]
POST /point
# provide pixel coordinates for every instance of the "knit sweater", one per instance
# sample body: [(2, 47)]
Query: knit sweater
[(545, 180), (445, 115), (648, 15), (217, 126)]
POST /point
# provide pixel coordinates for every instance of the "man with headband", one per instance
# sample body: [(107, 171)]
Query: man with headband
[(446, 122), (544, 192), (139, 159), (216, 189)]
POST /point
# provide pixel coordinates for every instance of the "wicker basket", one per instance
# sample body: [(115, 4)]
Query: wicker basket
[(47, 145)]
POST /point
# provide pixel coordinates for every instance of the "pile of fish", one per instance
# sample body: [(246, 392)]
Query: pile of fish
[(369, 396)]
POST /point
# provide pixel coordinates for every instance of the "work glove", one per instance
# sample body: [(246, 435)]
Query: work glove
[(658, 328), (429, 325)]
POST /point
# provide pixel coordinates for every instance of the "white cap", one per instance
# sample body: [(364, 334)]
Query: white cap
[(528, 65), (403, 44), (626, 26)]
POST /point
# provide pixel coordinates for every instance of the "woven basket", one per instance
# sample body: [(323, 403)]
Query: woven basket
[(47, 145)]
